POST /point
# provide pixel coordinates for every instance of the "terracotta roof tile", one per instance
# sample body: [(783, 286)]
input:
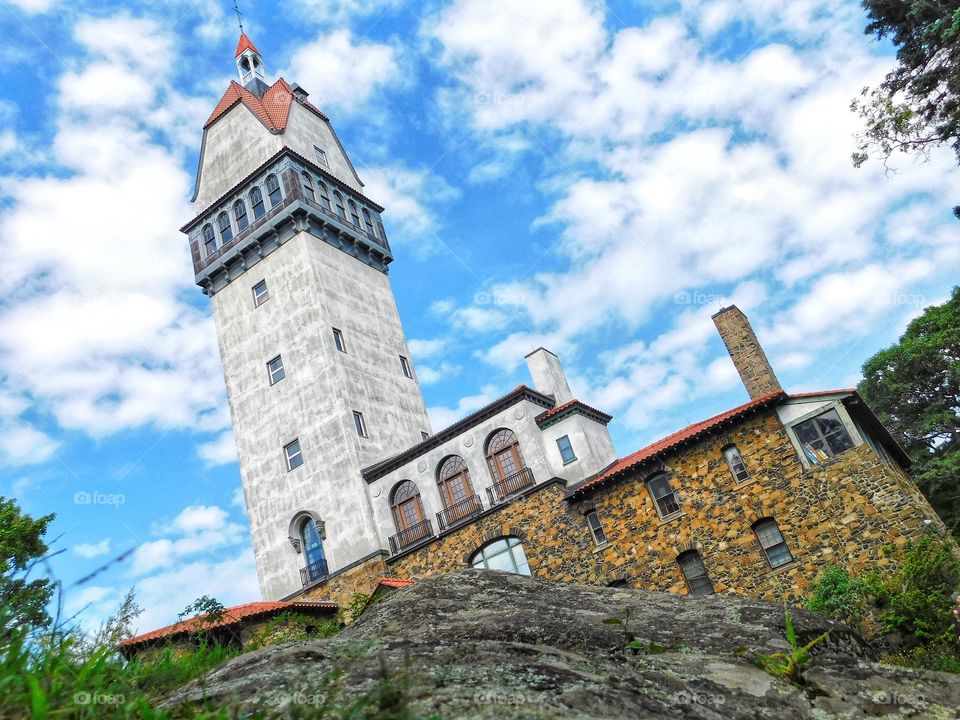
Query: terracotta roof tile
[(681, 436), (245, 44), (230, 616), (273, 110), (395, 582)]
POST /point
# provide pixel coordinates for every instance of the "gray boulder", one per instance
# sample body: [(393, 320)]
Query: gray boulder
[(476, 644)]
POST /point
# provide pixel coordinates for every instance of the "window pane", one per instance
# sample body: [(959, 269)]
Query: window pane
[(566, 449), (779, 555), (294, 457), (260, 294), (735, 463), (596, 528), (769, 534)]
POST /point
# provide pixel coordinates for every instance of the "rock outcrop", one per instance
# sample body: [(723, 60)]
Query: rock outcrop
[(477, 644)]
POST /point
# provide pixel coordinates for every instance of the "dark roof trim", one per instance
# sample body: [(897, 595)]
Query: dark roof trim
[(573, 407), (862, 412), (375, 472)]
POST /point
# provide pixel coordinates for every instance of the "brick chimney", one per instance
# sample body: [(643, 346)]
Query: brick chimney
[(747, 353)]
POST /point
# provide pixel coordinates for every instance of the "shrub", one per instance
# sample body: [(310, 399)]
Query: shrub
[(289, 627), (838, 596)]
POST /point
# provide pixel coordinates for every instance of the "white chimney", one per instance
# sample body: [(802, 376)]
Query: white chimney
[(548, 377)]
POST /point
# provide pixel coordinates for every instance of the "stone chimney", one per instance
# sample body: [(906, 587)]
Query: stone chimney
[(747, 353), (548, 377)]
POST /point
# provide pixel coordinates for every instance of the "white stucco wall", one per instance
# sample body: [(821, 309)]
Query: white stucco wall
[(591, 444)]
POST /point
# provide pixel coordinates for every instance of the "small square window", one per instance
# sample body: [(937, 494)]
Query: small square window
[(260, 293), (596, 528), (405, 364), (338, 340), (275, 370), (321, 156), (293, 455), (359, 424), (566, 450)]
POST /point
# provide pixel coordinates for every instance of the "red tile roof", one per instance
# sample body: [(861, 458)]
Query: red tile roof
[(395, 582), (245, 44), (230, 616), (681, 436), (272, 110)]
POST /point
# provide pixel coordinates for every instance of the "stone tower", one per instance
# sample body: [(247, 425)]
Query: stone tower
[(320, 383), (747, 353)]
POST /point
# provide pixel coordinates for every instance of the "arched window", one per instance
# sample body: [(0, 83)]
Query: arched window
[(256, 202), (504, 554), (368, 222), (226, 230), (338, 201), (503, 454), (316, 566), (771, 541), (695, 573), (456, 491), (731, 453), (324, 196), (354, 213), (308, 192), (273, 190), (240, 215), (209, 240), (407, 507), (664, 497)]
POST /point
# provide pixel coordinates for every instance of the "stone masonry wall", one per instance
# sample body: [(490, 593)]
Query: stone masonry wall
[(849, 511), (746, 352)]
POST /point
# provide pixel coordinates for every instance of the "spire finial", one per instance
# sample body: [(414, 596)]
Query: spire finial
[(239, 16)]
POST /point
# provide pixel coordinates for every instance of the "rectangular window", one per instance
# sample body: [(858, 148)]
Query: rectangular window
[(771, 540), (566, 450), (260, 293), (822, 437), (359, 424), (666, 500), (695, 573), (596, 529), (338, 340), (320, 155), (405, 364), (735, 462), (275, 370), (293, 455)]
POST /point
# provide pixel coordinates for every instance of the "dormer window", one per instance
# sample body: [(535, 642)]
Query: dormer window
[(273, 190), (240, 215), (256, 202), (209, 240), (226, 231)]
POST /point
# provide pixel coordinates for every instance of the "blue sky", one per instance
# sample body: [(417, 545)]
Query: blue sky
[(594, 177)]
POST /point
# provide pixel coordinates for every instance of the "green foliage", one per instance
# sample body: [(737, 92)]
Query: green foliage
[(291, 627), (358, 604), (207, 610), (917, 106), (838, 596), (940, 655), (917, 598), (21, 547), (789, 665), (914, 388)]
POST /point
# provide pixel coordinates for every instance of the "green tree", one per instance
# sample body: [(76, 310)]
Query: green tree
[(917, 106), (914, 387), (21, 547)]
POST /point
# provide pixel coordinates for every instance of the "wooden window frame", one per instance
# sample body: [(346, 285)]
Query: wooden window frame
[(596, 527), (656, 499)]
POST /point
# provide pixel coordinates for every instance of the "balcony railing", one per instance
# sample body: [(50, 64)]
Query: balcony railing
[(511, 484), (458, 512), (316, 570), (410, 536)]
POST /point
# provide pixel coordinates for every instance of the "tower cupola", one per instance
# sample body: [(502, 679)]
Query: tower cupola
[(250, 66)]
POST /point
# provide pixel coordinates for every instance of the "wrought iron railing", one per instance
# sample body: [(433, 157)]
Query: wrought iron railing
[(511, 484), (316, 570), (458, 512), (413, 534)]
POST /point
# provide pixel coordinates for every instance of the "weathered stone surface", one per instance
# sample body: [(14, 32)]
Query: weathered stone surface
[(490, 645)]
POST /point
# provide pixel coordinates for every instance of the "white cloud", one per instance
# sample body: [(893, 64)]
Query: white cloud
[(92, 550), (221, 451), (196, 530), (441, 417), (430, 375), (34, 6), (343, 74), (22, 444), (421, 349)]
